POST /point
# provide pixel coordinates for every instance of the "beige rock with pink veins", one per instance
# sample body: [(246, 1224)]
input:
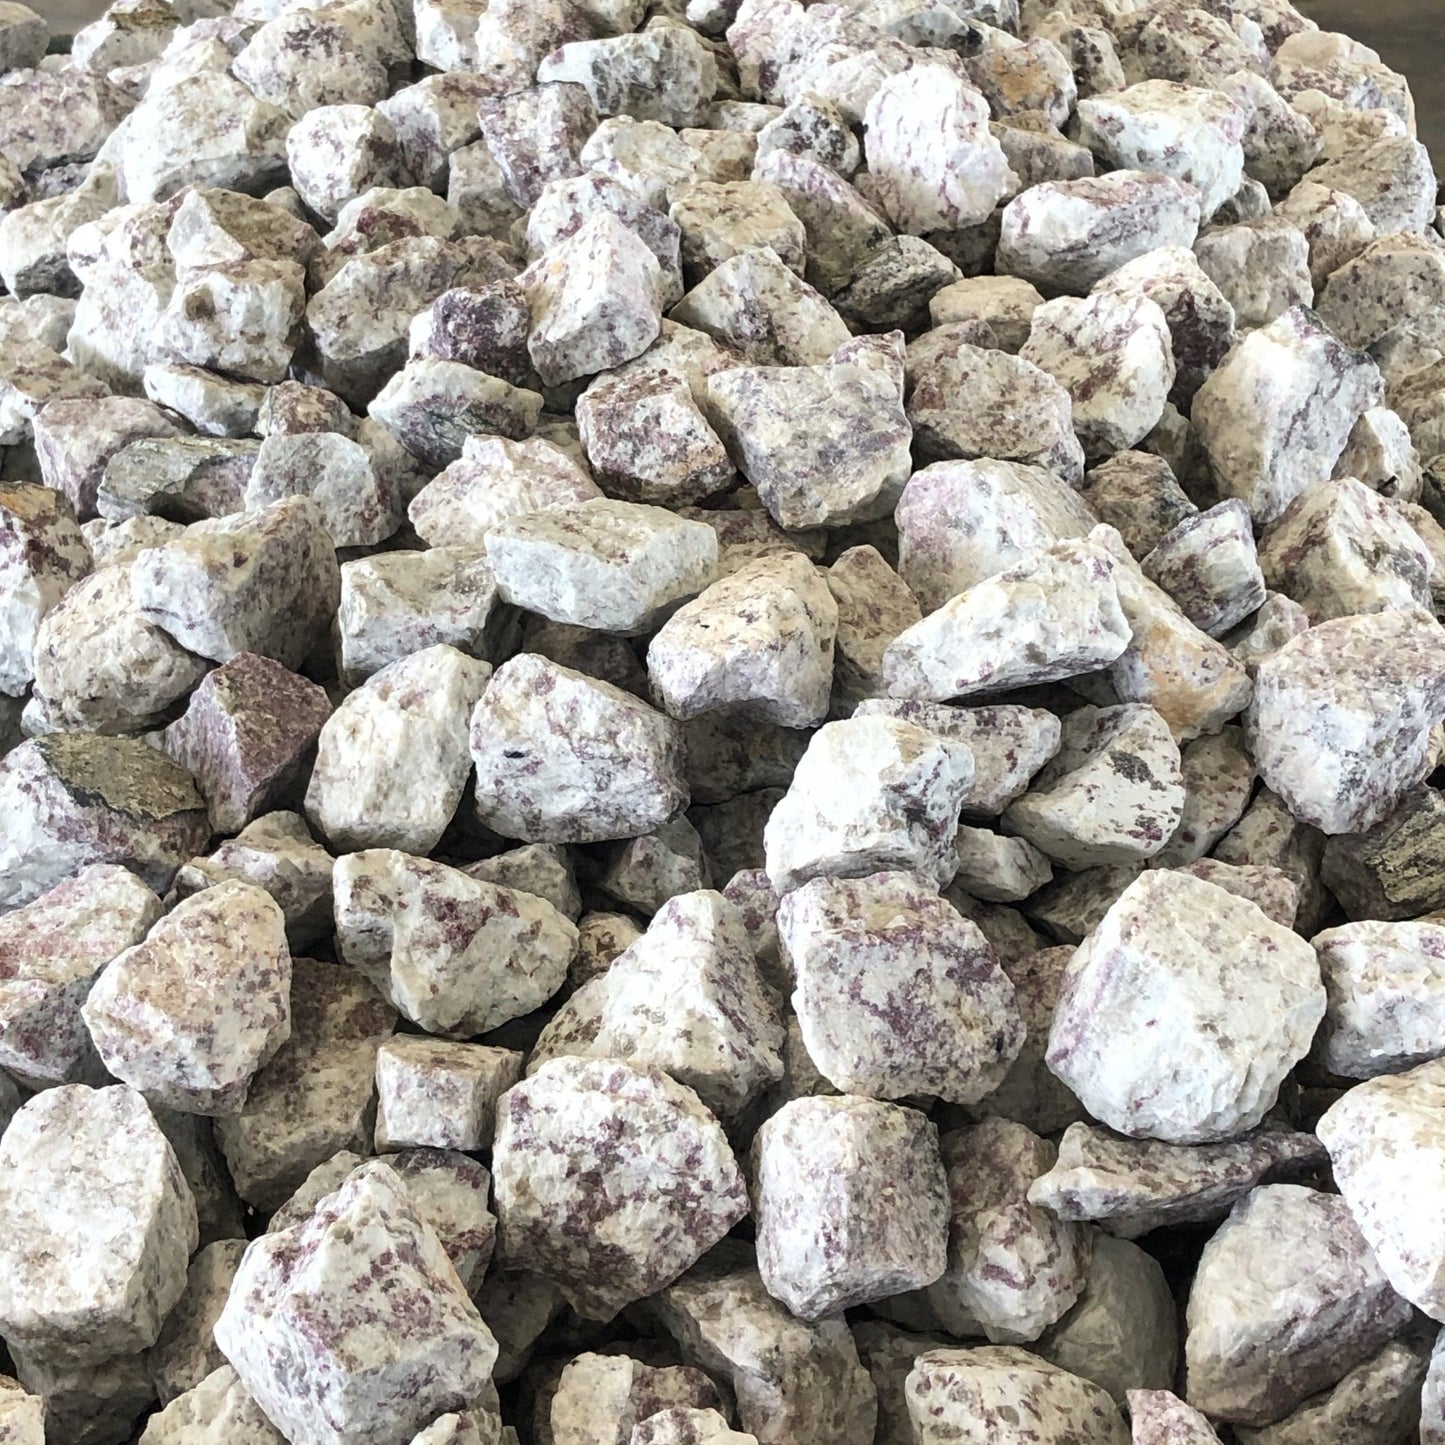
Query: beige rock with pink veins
[(457, 956), (1169, 1027), (435, 1094), (391, 761), (190, 1015), (935, 164), (50, 952), (216, 1410), (1159, 1417), (897, 994), (353, 1328), (86, 1295)]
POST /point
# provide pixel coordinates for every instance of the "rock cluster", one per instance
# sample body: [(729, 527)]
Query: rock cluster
[(722, 722)]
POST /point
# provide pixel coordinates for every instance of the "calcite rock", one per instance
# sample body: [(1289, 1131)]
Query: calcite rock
[(1133, 1186), (246, 736), (33, 377), (399, 1341), (874, 606), (1288, 1296), (391, 762), (440, 1095), (189, 1015), (760, 639), (788, 1375), (686, 998), (74, 440), (612, 1392), (988, 1390), (1260, 265), (84, 1297), (562, 758), (681, 1426), (52, 948), (273, 601), (1123, 754), (1391, 178), (541, 868), (185, 1352), (211, 1409), (1381, 455), (73, 799), (1174, 937), (22, 1415), (645, 872), (1277, 412), (1052, 616), (1159, 1417), (913, 121), (832, 1232), (1209, 566), (824, 445), (315, 1098), (1277, 620), (870, 794), (1341, 717), (456, 955), (720, 220), (625, 1149), (1381, 979), (186, 479)]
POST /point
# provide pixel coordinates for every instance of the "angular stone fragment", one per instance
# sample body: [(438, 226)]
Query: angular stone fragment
[(388, 1330), (627, 1151), (644, 873), (686, 998), (1159, 1417), (1261, 266), (681, 1426), (1391, 178), (721, 220), (874, 607), (789, 1376), (216, 1407), (562, 758), (34, 376), (1067, 235), (541, 868), (185, 1353), (1053, 616), (456, 955), (440, 1095), (1288, 1296), (1133, 1186), (1176, 950), (607, 565), (962, 522), (73, 799), (1391, 871), (86, 1296), (612, 1394), (1341, 718), (823, 445), (1277, 412), (1209, 566), (22, 1415), (1277, 620), (74, 440), (760, 639), (185, 479), (870, 794)]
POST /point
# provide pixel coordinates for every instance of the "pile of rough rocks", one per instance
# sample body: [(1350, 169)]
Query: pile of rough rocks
[(724, 714)]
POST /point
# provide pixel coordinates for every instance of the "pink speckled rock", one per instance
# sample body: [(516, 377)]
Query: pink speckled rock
[(611, 1181), (1209, 566), (1158, 1417), (440, 1095), (610, 1394), (390, 1338), (189, 1015)]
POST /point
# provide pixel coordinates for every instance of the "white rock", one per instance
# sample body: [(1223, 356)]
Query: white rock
[(217, 1409), (1177, 953), (240, 318), (436, 1094)]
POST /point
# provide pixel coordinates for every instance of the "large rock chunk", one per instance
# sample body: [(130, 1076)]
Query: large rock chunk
[(72, 799), (563, 758), (1173, 974), (456, 955), (353, 1326), (87, 1295), (610, 1181), (1342, 715), (188, 1016), (1288, 1297)]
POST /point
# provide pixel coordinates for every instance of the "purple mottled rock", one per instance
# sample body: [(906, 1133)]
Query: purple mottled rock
[(72, 799), (681, 1425), (535, 136), (391, 761), (185, 1353), (851, 1203), (1133, 1186), (1341, 718), (791, 1378), (563, 758), (246, 736), (274, 594), (1208, 565), (760, 640), (50, 952), (896, 994), (316, 1096), (83, 1296), (997, 1392), (1276, 893), (687, 998), (1268, 833), (1387, 1152), (74, 441), (436, 1094), (454, 954), (610, 1180), (33, 377), (1175, 952), (1159, 1417), (1288, 1297), (390, 1338), (870, 794), (189, 1015), (1276, 413), (541, 868)]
